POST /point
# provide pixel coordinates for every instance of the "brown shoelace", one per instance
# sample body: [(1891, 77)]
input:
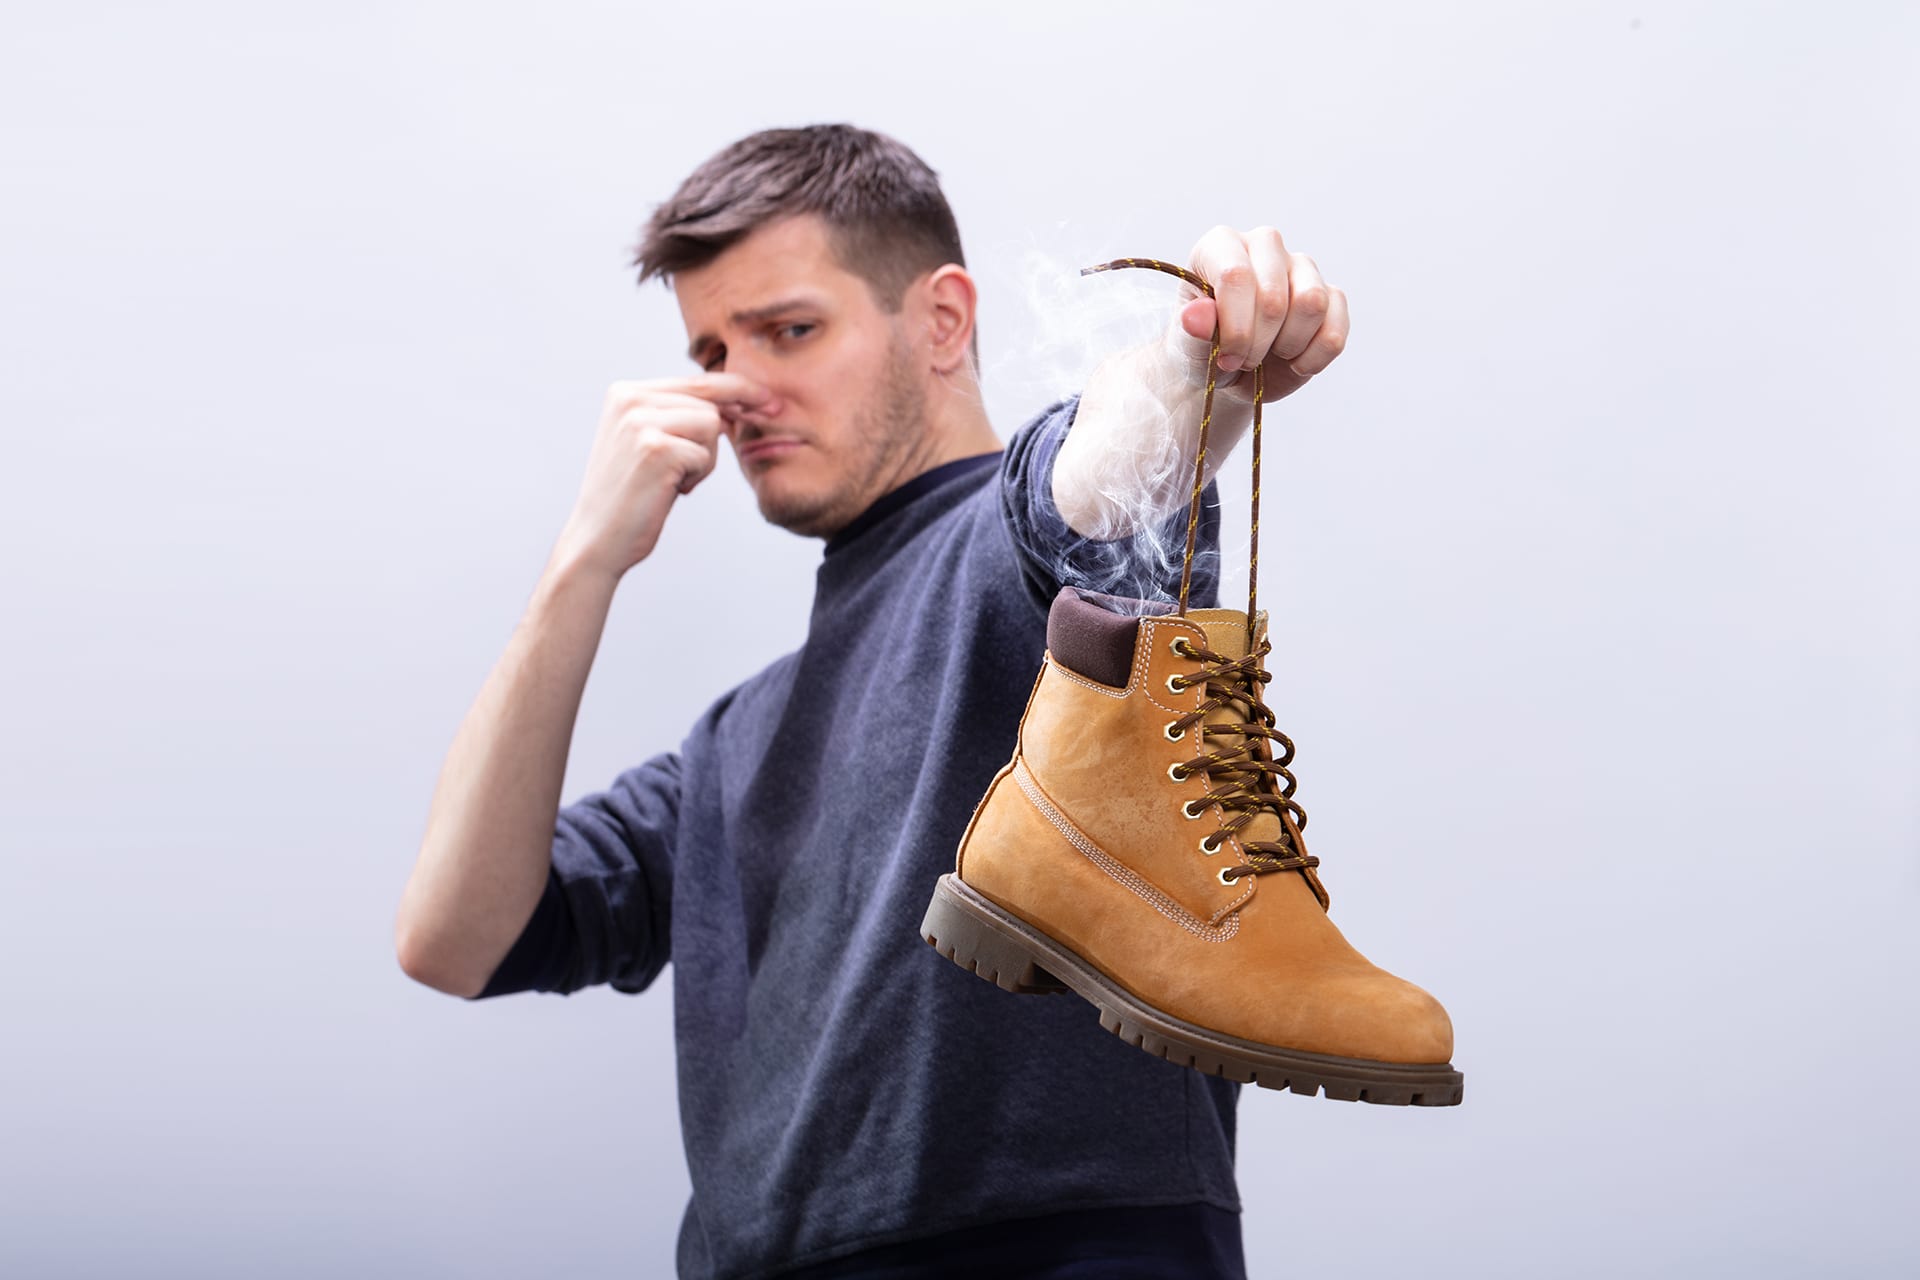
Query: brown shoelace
[(1243, 776)]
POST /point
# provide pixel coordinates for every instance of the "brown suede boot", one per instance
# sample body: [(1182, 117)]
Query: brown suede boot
[(1106, 857), (1140, 850)]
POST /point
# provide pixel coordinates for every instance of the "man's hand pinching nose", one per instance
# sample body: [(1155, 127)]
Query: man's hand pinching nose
[(733, 394)]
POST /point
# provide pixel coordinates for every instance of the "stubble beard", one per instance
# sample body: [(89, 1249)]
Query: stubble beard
[(886, 426)]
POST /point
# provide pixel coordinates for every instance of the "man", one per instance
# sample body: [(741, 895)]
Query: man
[(853, 1105)]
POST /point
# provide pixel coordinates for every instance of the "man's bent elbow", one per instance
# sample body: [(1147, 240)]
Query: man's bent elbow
[(432, 966)]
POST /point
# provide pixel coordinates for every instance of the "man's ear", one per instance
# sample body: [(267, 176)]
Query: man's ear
[(950, 301)]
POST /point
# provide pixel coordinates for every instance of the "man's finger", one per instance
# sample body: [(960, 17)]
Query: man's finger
[(1273, 281), (1328, 341), (726, 388), (697, 461), (1311, 301), (1221, 258), (719, 388), (689, 419)]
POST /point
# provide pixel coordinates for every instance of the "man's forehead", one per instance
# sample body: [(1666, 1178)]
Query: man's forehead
[(791, 250)]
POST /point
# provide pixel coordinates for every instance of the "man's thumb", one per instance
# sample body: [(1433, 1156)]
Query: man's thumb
[(1190, 340)]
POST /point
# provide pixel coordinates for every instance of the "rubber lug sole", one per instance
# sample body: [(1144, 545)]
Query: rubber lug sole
[(985, 939)]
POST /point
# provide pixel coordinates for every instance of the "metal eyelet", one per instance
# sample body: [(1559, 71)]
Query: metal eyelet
[(1172, 736), (1223, 877), (1203, 846), (1187, 810), (1175, 688), (1174, 771), (1187, 652)]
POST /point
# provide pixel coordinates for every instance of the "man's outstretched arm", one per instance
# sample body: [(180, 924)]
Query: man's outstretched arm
[(1128, 462)]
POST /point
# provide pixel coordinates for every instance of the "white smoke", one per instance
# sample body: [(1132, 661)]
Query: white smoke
[(1139, 487)]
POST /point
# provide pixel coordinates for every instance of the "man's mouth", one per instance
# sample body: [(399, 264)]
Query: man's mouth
[(767, 447)]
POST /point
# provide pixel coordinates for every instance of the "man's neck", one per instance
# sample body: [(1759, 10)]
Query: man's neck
[(957, 427)]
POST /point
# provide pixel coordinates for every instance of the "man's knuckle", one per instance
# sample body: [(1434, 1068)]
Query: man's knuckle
[(1237, 274)]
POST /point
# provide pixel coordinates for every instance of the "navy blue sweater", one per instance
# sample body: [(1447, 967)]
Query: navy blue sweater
[(843, 1088)]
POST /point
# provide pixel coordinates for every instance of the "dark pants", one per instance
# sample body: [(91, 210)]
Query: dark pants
[(1162, 1242)]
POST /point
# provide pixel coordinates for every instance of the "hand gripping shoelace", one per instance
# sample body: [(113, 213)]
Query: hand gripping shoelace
[(1243, 775)]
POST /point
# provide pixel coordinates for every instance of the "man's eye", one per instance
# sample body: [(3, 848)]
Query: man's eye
[(798, 324)]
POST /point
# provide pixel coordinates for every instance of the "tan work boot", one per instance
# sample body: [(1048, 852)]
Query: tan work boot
[(1141, 850), (1105, 857)]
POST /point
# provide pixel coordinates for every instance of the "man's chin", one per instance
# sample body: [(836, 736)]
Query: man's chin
[(808, 519)]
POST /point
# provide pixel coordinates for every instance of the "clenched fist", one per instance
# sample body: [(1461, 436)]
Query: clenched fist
[(1273, 307), (657, 440), (1127, 463)]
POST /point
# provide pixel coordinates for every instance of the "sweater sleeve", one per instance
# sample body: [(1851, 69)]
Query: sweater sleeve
[(604, 916), (1143, 566)]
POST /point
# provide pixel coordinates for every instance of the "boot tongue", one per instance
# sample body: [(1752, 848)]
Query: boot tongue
[(1227, 636)]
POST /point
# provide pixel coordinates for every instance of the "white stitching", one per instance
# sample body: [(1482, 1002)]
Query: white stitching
[(1152, 628), (1094, 685), (1125, 876)]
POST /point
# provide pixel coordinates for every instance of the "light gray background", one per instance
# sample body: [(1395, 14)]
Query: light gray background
[(1592, 562)]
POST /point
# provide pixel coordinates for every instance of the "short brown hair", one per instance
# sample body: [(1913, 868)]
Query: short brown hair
[(887, 220)]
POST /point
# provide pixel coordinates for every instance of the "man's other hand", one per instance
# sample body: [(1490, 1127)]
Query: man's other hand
[(655, 442)]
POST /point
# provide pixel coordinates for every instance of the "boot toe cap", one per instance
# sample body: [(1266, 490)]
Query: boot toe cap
[(1367, 1014)]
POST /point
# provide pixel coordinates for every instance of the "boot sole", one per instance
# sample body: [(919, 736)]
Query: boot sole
[(985, 939)]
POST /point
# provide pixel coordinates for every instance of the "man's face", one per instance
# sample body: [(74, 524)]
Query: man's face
[(848, 404)]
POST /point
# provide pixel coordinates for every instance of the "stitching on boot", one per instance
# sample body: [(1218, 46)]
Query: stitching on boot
[(1081, 680), (1119, 872), (1153, 629)]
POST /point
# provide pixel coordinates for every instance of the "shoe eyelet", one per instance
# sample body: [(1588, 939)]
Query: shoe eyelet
[(1177, 771), (1175, 688), (1207, 851), (1169, 731), (1224, 879), (1187, 810), (1186, 652)]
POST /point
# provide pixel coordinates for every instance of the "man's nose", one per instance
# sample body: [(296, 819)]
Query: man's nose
[(750, 366), (750, 421)]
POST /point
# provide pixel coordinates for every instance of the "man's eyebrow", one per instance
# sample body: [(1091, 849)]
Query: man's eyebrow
[(752, 316)]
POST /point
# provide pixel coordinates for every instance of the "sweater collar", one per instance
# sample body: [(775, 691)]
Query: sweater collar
[(894, 499)]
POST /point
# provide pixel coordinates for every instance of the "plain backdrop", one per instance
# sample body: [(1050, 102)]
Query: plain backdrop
[(1592, 565)]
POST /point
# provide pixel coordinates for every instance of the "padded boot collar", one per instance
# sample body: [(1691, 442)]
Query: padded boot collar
[(1092, 634)]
